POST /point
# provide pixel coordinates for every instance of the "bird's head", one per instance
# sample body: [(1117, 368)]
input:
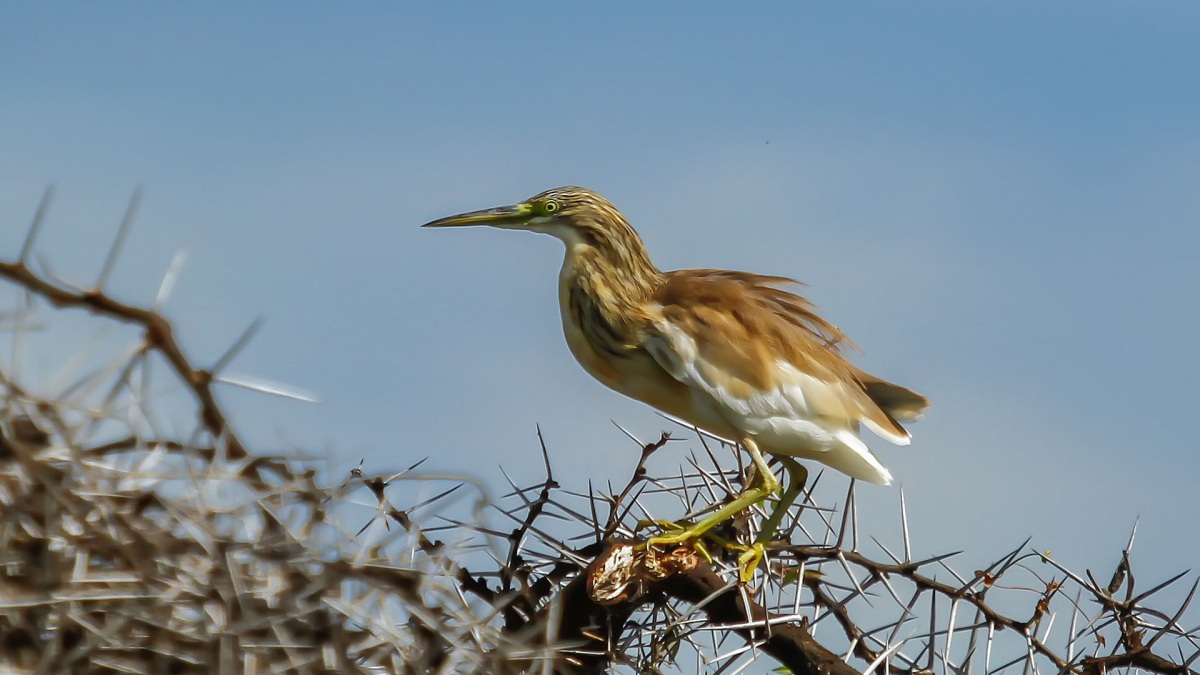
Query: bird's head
[(573, 214), (598, 238)]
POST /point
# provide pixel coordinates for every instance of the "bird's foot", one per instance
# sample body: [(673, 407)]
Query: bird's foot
[(666, 525), (748, 556), (748, 561), (676, 534)]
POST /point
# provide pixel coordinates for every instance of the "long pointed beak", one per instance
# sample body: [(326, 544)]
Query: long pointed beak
[(501, 216)]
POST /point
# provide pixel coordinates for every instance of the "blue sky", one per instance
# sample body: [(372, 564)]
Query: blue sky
[(997, 202)]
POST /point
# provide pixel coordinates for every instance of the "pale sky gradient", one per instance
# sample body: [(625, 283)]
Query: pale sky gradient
[(999, 203)]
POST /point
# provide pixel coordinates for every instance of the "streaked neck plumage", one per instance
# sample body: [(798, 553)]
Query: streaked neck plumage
[(607, 276)]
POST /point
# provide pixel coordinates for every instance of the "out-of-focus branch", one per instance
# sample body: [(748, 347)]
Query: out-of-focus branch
[(159, 337)]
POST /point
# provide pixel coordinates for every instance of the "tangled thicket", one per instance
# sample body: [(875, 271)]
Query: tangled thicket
[(127, 545)]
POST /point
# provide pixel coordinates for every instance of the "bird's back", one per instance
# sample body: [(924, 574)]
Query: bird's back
[(737, 356)]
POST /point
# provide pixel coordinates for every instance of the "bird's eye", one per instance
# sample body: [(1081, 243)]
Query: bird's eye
[(550, 206)]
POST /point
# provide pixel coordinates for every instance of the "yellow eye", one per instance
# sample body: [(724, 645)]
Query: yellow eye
[(550, 206)]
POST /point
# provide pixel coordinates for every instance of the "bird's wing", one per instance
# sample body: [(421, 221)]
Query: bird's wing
[(760, 351)]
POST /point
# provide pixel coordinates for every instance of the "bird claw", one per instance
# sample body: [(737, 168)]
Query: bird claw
[(668, 525), (748, 561), (677, 534)]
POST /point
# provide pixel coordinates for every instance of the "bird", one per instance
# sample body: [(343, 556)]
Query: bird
[(735, 354)]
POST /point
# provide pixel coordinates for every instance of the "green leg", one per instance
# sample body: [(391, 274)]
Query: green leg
[(797, 478), (768, 485)]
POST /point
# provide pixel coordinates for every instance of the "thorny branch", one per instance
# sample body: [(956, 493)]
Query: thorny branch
[(158, 332), (639, 474), (841, 583)]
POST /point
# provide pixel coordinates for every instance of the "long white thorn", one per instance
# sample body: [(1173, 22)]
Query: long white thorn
[(169, 279), (119, 241), (36, 226)]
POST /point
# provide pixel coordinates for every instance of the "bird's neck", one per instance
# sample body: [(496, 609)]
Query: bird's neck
[(606, 287)]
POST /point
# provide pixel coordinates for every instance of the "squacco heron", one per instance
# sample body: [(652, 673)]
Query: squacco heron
[(730, 352)]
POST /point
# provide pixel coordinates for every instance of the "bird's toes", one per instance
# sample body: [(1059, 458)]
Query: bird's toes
[(748, 561)]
